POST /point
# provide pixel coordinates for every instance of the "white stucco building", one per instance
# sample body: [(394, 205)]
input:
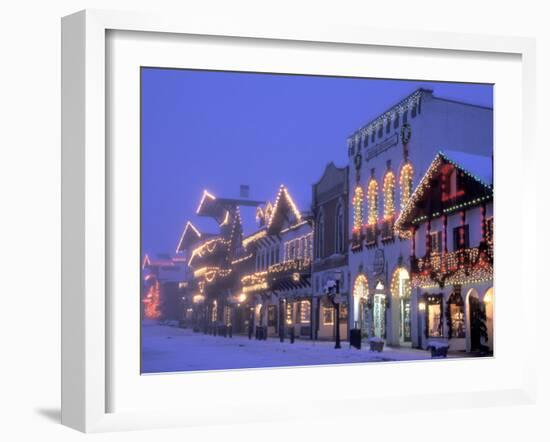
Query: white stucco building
[(388, 158)]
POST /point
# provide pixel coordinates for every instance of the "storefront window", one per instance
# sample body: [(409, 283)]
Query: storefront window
[(289, 313), (360, 295), (214, 316), (456, 315), (406, 319), (272, 316), (435, 325), (343, 312), (328, 316), (379, 310), (305, 312), (401, 292)]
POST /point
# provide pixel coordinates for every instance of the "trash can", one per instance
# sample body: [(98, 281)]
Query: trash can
[(355, 338)]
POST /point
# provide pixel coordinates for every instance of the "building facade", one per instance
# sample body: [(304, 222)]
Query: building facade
[(449, 219), (280, 281), (330, 251), (161, 291), (388, 157)]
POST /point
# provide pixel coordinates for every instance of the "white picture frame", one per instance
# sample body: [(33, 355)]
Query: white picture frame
[(86, 202)]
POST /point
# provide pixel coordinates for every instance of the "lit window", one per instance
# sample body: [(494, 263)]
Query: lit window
[(406, 182), (343, 312), (456, 313), (305, 312), (389, 195), (214, 315), (328, 316), (435, 324), (358, 209), (372, 196), (360, 295), (289, 313), (227, 315)]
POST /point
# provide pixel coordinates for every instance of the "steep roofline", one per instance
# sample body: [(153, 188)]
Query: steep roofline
[(330, 163), (440, 156)]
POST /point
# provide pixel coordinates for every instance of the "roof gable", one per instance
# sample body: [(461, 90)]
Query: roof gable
[(189, 237), (285, 213), (426, 199)]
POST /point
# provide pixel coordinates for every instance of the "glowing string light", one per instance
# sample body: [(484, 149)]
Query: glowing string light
[(389, 195), (406, 183), (358, 209), (372, 199), (205, 195)]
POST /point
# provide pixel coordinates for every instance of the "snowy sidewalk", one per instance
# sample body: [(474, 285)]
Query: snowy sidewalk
[(168, 349)]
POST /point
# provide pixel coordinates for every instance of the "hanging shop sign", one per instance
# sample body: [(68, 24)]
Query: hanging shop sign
[(406, 133), (383, 146), (379, 262)]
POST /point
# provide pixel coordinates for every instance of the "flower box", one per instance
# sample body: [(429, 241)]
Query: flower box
[(438, 348), (376, 344)]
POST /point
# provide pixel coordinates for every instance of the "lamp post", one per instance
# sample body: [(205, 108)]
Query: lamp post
[(421, 313), (332, 289), (281, 319)]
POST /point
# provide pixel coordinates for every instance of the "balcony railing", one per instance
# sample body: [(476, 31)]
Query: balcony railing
[(450, 261), (290, 267), (441, 266), (357, 238), (370, 235), (386, 229)]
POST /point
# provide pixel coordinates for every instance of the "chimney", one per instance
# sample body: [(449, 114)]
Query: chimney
[(244, 191)]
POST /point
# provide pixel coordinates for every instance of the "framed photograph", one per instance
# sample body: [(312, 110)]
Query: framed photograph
[(252, 208)]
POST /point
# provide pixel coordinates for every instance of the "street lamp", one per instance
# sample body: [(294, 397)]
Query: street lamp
[(332, 289), (421, 313)]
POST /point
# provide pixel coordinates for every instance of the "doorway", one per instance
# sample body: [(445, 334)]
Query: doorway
[(475, 335)]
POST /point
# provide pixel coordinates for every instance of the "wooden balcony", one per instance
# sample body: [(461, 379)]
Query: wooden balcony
[(357, 238), (441, 268), (386, 230), (370, 235), (288, 275)]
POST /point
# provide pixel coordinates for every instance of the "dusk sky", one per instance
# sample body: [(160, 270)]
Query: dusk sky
[(218, 130)]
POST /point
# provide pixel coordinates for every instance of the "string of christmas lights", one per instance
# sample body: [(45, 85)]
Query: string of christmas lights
[(389, 194), (372, 200), (284, 192), (398, 110), (358, 208), (406, 183)]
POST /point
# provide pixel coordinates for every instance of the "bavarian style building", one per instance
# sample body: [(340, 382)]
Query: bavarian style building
[(330, 251), (388, 158)]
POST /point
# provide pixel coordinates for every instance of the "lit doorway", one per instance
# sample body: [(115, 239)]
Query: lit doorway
[(401, 293), (379, 311)]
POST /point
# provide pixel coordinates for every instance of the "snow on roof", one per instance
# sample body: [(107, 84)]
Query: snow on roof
[(481, 167)]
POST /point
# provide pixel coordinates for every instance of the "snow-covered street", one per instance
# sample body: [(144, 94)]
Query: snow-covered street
[(169, 349)]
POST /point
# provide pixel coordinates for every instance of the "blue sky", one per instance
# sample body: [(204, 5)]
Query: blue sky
[(218, 130)]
